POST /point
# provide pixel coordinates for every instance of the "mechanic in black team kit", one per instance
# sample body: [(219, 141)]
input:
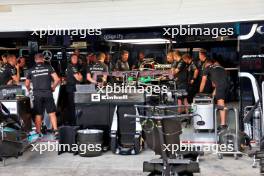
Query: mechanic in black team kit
[(9, 73), (122, 63), (217, 74), (73, 77), (41, 76), (179, 70), (193, 72), (100, 68), (201, 67)]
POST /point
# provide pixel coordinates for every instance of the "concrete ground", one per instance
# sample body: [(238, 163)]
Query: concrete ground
[(49, 164)]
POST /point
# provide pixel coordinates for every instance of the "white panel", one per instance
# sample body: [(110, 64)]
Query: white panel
[(46, 1), (11, 106), (40, 14)]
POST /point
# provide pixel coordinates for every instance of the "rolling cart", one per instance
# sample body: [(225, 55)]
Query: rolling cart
[(166, 130), (228, 136)]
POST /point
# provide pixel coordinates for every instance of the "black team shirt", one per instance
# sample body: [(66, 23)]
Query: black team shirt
[(40, 76), (191, 69), (216, 74), (98, 68), (122, 66), (6, 73), (71, 81), (182, 74)]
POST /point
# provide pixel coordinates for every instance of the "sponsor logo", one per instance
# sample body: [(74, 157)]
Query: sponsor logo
[(96, 97), (121, 92), (255, 28), (99, 97)]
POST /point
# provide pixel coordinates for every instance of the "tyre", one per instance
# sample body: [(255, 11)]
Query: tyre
[(235, 156), (220, 156)]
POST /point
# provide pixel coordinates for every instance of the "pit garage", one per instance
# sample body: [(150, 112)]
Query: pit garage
[(131, 87)]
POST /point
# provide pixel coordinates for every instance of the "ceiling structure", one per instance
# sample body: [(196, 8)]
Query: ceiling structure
[(30, 15)]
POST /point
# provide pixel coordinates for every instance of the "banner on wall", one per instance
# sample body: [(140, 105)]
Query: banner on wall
[(252, 47)]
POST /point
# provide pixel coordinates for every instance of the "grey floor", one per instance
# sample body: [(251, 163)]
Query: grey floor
[(49, 163)]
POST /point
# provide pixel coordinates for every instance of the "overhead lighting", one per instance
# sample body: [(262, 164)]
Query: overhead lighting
[(143, 41), (153, 43)]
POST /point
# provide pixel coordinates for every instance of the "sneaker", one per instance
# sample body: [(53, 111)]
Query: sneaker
[(35, 137), (56, 134)]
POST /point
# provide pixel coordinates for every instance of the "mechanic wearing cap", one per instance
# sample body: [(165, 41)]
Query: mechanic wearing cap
[(41, 76), (9, 73), (218, 76), (97, 73), (73, 77)]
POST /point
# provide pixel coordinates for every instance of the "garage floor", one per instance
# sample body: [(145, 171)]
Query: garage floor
[(49, 163)]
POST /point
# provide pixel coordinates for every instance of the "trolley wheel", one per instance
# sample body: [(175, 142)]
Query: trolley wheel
[(133, 152), (117, 151), (235, 156), (220, 156)]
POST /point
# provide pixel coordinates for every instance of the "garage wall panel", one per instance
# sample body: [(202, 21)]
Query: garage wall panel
[(27, 15)]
